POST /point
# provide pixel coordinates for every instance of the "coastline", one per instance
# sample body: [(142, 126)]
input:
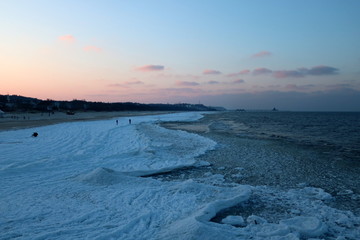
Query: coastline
[(273, 163), (92, 160), (21, 120)]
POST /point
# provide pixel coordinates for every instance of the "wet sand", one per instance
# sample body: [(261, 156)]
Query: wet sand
[(19, 120)]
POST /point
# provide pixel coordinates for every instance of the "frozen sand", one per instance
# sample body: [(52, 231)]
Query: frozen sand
[(81, 180), (19, 120)]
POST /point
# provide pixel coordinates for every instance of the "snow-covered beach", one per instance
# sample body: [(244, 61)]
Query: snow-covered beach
[(20, 120), (86, 180)]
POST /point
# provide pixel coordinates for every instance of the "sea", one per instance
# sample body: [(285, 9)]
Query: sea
[(325, 148), (288, 150), (335, 133)]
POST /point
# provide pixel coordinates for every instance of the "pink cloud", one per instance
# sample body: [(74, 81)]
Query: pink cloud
[(150, 68), (211, 72), (92, 49), (246, 71), (340, 86), (294, 87), (127, 84), (67, 38), (238, 81), (288, 73), (134, 83), (117, 85), (213, 82), (186, 83), (322, 70), (243, 72), (179, 76), (262, 54), (303, 72), (261, 71)]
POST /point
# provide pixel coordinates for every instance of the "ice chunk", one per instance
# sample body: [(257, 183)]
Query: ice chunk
[(234, 220), (100, 176), (342, 219), (290, 236), (253, 219), (269, 230), (306, 226), (210, 211), (345, 192), (237, 175), (201, 164), (302, 185), (341, 238), (295, 211), (317, 193)]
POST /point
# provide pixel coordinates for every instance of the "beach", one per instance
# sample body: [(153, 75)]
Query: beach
[(20, 120)]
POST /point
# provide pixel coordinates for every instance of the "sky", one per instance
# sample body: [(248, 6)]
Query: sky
[(238, 54)]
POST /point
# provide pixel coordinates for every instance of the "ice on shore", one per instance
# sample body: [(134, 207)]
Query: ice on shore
[(82, 180), (234, 220), (306, 226)]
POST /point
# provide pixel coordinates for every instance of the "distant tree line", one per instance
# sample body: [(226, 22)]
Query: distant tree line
[(14, 103)]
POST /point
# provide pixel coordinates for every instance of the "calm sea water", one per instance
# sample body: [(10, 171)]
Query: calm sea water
[(335, 133)]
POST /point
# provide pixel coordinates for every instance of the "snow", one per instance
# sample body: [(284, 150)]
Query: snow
[(83, 180), (345, 192), (273, 230), (234, 220), (316, 193), (253, 219), (306, 226)]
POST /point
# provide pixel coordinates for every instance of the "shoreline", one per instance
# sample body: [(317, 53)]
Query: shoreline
[(268, 162), (21, 120), (92, 163)]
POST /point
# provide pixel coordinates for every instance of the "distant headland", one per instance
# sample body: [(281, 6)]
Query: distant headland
[(15, 103)]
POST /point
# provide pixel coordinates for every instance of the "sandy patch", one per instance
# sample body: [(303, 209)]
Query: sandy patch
[(13, 121)]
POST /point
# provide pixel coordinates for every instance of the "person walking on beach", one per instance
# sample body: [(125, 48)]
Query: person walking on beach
[(129, 120), (117, 122)]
